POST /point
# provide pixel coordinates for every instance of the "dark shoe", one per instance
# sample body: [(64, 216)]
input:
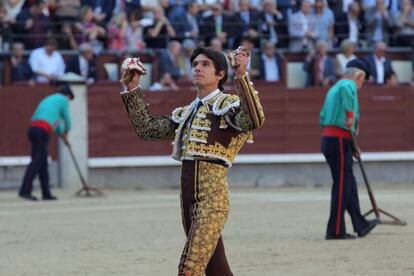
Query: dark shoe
[(366, 230), (28, 197), (50, 197), (340, 237)]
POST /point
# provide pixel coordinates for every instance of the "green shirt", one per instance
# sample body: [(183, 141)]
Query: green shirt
[(54, 109), (340, 99)]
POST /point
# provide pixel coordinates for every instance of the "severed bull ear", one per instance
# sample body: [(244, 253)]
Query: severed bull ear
[(232, 56), (133, 64), (129, 67)]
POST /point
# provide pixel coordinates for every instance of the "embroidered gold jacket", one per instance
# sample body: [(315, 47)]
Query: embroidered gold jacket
[(217, 130)]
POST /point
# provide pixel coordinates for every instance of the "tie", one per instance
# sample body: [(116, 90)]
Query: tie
[(191, 117)]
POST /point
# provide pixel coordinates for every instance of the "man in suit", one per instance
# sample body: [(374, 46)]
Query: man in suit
[(218, 25), (84, 64), (247, 22), (379, 66), (320, 67), (349, 25), (169, 61), (270, 63)]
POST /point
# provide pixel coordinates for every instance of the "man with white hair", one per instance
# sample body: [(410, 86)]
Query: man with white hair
[(339, 117), (83, 64)]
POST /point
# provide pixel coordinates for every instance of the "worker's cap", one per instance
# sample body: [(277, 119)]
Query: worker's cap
[(360, 64)]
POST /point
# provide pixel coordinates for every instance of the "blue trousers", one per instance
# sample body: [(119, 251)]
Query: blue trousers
[(338, 153), (39, 139)]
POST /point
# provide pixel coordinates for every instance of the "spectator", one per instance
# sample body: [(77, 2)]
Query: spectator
[(135, 31), (324, 23), (216, 44), (348, 25), (21, 70), (184, 60), (186, 24), (34, 25), (102, 10), (270, 63), (378, 22), (83, 64), (116, 32), (405, 24), (5, 34), (13, 8), (67, 10), (302, 28), (218, 25), (47, 63), (346, 55), (273, 23), (69, 37), (247, 22), (380, 67), (160, 31), (320, 67), (168, 63), (91, 32)]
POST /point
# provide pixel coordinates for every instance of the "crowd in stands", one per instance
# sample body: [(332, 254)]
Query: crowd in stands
[(173, 28)]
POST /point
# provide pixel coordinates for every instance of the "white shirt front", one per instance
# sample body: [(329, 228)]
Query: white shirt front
[(83, 66), (353, 30), (379, 66), (271, 68), (41, 62)]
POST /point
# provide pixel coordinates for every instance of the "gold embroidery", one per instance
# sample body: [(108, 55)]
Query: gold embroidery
[(209, 217)]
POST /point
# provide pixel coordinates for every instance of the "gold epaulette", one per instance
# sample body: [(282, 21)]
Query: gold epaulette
[(178, 114), (224, 103)]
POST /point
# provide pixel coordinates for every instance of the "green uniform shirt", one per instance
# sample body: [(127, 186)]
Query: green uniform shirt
[(341, 98), (54, 109)]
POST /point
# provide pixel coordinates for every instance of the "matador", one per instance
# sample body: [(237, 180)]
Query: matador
[(207, 135)]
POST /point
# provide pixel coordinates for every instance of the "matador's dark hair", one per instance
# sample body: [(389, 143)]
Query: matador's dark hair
[(218, 59)]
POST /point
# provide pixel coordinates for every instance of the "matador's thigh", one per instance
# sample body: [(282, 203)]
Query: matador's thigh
[(204, 206)]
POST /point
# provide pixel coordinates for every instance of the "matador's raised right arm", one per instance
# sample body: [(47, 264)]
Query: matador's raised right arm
[(146, 126)]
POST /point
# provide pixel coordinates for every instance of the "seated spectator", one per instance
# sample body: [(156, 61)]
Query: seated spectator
[(84, 64), (34, 25), (184, 60), (185, 21), (116, 32), (47, 63), (5, 32), (67, 10), (270, 63), (247, 22), (21, 70), (345, 56), (405, 24), (91, 32), (169, 61), (302, 28), (324, 23), (273, 23), (69, 37), (348, 25), (160, 31), (13, 8), (320, 67), (218, 25), (134, 37), (378, 23), (102, 10), (380, 68)]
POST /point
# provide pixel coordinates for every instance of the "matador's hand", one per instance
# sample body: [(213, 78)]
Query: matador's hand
[(239, 59), (132, 69)]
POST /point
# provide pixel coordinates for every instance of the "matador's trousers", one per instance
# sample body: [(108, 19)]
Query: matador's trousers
[(204, 207)]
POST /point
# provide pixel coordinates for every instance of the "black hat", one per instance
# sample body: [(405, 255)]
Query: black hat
[(65, 89), (360, 64)]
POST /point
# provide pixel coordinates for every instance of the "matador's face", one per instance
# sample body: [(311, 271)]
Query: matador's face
[(204, 72)]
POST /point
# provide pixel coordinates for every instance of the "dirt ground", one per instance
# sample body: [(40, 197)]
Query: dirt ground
[(277, 231)]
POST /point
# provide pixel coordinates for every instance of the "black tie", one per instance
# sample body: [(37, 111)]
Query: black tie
[(191, 117)]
